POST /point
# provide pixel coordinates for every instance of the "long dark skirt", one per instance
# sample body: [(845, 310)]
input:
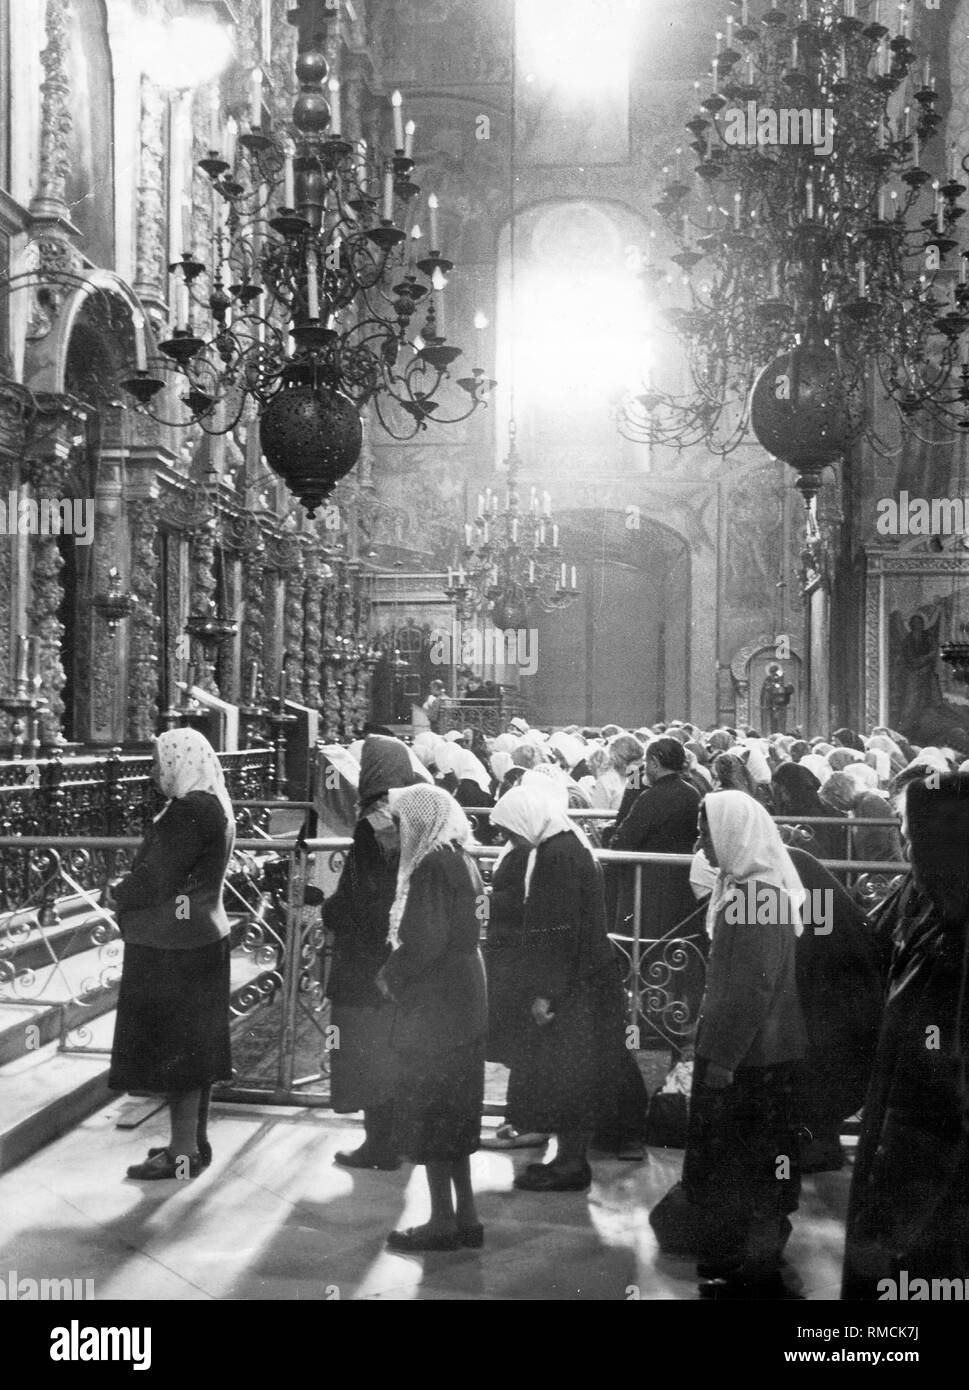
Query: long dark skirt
[(741, 1170), (439, 1098), (364, 1065), (566, 1075), (172, 1028)]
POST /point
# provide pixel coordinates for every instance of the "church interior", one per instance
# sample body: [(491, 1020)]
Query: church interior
[(437, 364)]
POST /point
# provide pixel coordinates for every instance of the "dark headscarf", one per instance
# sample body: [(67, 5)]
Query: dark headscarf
[(384, 763), (937, 816), (796, 794), (848, 739)]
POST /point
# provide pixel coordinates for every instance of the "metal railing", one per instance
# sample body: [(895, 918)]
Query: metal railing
[(60, 950)]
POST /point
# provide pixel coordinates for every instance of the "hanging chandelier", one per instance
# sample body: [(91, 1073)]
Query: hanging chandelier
[(818, 269), (512, 560), (318, 299)]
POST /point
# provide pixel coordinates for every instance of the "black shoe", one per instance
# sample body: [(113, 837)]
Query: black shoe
[(364, 1158), (205, 1152), (163, 1165), (415, 1239), (545, 1177)]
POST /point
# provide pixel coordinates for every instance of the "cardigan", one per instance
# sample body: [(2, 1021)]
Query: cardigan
[(172, 898)]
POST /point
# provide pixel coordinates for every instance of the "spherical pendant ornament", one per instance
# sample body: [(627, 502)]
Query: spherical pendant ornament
[(799, 411), (311, 437)]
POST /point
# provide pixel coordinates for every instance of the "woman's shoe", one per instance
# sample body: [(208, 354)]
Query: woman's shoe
[(205, 1152), (544, 1177), (364, 1158), (164, 1165), (472, 1237), (419, 1238), (508, 1137)]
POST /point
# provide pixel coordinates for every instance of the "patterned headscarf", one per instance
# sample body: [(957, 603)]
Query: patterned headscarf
[(429, 818), (188, 763)]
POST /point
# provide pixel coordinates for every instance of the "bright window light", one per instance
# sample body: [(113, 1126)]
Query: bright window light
[(183, 53), (559, 47)]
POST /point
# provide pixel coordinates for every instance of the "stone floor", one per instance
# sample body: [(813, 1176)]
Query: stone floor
[(274, 1219)]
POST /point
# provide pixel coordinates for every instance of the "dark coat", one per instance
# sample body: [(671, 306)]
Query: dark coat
[(184, 855), (436, 976), (908, 1207), (358, 915), (751, 1015), (663, 820), (506, 1004)]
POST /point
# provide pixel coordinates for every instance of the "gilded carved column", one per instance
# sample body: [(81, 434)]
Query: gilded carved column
[(202, 600), (312, 628), (56, 121), (143, 675), (253, 614), (48, 476), (151, 260), (330, 670), (293, 619)]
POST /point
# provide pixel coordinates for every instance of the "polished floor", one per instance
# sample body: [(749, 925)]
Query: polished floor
[(274, 1219)]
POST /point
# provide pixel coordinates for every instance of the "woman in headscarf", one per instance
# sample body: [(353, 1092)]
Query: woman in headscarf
[(627, 754), (840, 758), (358, 915), (171, 1037), (797, 793), (468, 782), (755, 758), (740, 1171), (565, 1040), (848, 738), (730, 774), (571, 754), (863, 801), (604, 784), (435, 977), (908, 1211)]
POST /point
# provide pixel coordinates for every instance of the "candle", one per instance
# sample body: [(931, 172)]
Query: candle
[(804, 9), (750, 69), (481, 505), (730, 31), (842, 62), (480, 324), (809, 199), (574, 585), (861, 279), (336, 122), (940, 214), (253, 681), (531, 571), (450, 577), (461, 576), (409, 130), (533, 504), (849, 9), (439, 316), (716, 74), (881, 205), (555, 535), (183, 311), (743, 13), (547, 503), (794, 51), (415, 236), (686, 226), (953, 163), (214, 123), (289, 183), (141, 355), (282, 684), (736, 212), (362, 165), (487, 533), (926, 72), (388, 213), (915, 149), (881, 134), (467, 533), (229, 142), (22, 645), (255, 98), (397, 102), (563, 579), (962, 269), (952, 296), (432, 207), (719, 43), (494, 504), (312, 286)]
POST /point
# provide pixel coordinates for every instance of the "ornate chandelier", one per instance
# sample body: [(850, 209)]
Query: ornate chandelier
[(818, 261), (512, 560), (318, 299)]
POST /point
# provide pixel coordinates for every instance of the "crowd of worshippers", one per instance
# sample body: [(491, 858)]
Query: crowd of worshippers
[(792, 1031)]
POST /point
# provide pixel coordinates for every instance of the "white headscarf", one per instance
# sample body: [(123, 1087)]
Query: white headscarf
[(465, 766), (863, 775), (355, 749), (429, 818), (501, 764), (573, 750), (755, 760), (820, 766), (504, 743), (536, 813), (426, 746), (748, 846), (188, 763)]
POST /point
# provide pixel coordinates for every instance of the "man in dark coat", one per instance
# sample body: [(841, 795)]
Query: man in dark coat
[(908, 1212)]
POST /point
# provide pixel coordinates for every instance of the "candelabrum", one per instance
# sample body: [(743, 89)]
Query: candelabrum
[(319, 297), (816, 252), (512, 561), (114, 604)]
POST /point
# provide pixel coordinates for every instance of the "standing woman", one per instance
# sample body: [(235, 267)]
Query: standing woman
[(172, 1032), (741, 1175), (358, 915), (567, 1050), (435, 976)]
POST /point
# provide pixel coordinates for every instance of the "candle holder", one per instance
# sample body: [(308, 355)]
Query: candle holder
[(278, 719)]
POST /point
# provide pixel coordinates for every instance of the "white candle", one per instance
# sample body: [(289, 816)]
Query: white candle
[(563, 581), (953, 164), (229, 142), (736, 212), (915, 149), (481, 505), (397, 102), (432, 205), (467, 533), (574, 585), (940, 216), (450, 577), (555, 535), (809, 199), (184, 306), (336, 123), (480, 324), (514, 529), (794, 51), (289, 182), (312, 286), (141, 356), (362, 165), (750, 69), (881, 205), (730, 31), (531, 571), (214, 123), (716, 74), (409, 130), (22, 647), (743, 13), (388, 195), (255, 98), (962, 269), (861, 279), (719, 43), (547, 503)]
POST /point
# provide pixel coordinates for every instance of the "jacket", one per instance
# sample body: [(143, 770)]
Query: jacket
[(172, 898), (358, 914)]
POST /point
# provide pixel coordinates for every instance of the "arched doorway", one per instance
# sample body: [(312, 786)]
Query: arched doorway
[(620, 654)]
